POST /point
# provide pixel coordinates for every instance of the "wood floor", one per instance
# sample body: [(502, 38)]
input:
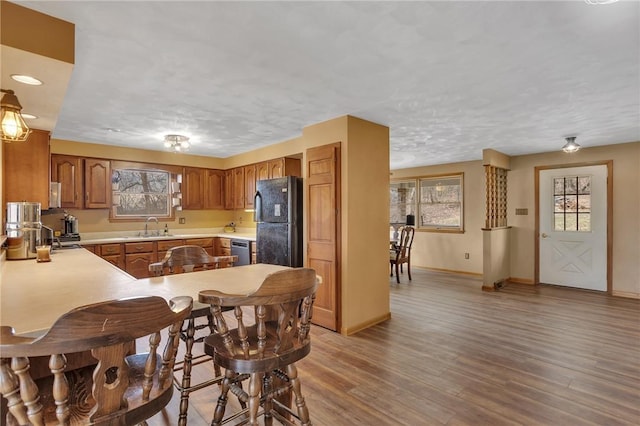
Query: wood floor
[(452, 354)]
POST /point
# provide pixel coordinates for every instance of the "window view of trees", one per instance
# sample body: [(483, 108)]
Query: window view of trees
[(572, 203), (141, 193), (438, 201), (441, 202)]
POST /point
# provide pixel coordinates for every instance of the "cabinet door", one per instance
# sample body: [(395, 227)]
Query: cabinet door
[(193, 188), (228, 190), (262, 170), (249, 185), (67, 170), (97, 183), (214, 190), (276, 168), (26, 169), (137, 264), (238, 188)]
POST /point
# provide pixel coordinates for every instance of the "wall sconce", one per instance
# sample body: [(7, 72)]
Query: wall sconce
[(571, 145), (176, 143), (13, 129)]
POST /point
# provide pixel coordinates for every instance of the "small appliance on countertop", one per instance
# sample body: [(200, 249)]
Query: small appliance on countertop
[(69, 228), (23, 229)]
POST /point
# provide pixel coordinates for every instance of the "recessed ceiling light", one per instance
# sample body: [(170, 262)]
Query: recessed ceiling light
[(29, 116), (26, 79)]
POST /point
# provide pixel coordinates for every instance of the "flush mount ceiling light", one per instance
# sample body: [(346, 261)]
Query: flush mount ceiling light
[(176, 143), (26, 79), (13, 128), (600, 1), (571, 145)]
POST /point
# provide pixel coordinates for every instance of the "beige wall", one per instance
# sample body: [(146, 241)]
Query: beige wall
[(446, 250), (626, 210)]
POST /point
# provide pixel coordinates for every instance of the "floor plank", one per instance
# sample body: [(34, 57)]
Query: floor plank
[(454, 355)]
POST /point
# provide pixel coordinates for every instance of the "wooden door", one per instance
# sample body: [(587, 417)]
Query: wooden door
[(249, 185), (238, 188), (68, 171), (262, 170), (572, 213), (97, 183), (214, 189), (276, 168), (323, 218), (192, 188), (228, 190), (26, 169)]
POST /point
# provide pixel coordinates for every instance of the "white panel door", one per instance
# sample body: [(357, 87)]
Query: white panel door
[(573, 227)]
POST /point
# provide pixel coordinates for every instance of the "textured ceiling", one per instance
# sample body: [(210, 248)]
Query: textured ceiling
[(447, 78)]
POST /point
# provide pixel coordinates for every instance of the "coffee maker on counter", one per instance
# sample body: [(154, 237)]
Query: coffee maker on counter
[(69, 228)]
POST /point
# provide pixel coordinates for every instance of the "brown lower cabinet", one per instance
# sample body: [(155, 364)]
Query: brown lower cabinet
[(135, 257)]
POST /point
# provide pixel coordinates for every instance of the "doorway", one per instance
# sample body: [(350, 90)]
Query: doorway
[(573, 226)]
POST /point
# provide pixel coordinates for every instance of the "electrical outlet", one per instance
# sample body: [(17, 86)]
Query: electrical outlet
[(182, 220), (240, 219), (466, 255)]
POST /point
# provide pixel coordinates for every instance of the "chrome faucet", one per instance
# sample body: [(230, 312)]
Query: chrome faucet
[(146, 223)]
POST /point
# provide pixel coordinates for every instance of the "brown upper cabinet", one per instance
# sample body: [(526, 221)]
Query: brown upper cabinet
[(228, 189), (67, 170), (214, 190), (79, 176), (193, 188), (202, 189), (249, 185), (97, 183), (26, 169), (278, 167), (238, 187)]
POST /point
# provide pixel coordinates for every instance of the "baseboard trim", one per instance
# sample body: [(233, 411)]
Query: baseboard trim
[(488, 288), (627, 294), (520, 280), (352, 330), (475, 274)]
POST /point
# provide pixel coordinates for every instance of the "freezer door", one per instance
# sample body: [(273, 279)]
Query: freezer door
[(273, 245), (274, 197)]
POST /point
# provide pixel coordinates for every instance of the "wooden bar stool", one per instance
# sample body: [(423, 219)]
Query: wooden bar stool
[(189, 258), (267, 350), (116, 389)]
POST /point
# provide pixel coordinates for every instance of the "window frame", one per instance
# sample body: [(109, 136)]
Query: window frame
[(441, 228), (173, 171)]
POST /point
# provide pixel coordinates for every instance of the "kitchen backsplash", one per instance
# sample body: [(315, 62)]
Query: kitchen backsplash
[(98, 221)]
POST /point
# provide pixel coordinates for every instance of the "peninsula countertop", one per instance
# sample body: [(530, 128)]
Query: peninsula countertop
[(33, 295)]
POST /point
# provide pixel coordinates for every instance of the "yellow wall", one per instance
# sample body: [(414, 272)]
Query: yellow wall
[(626, 210), (364, 214)]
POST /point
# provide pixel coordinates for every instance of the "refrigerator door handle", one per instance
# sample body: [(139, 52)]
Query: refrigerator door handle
[(257, 207)]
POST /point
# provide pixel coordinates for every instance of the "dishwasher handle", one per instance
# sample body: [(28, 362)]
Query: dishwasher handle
[(242, 244)]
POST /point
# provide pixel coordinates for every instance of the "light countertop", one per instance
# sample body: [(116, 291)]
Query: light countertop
[(33, 295), (129, 236)]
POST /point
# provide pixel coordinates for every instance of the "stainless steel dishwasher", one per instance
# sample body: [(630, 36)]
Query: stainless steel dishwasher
[(241, 249)]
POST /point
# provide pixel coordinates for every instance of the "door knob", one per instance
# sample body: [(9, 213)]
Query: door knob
[(544, 235)]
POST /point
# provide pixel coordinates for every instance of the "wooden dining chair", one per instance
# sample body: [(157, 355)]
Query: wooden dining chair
[(401, 252), (119, 388), (189, 258), (264, 349)]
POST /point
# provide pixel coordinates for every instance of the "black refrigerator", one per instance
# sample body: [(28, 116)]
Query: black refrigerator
[(278, 213)]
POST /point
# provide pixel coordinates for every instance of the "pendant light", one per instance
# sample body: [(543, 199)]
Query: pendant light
[(571, 145), (13, 128)]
